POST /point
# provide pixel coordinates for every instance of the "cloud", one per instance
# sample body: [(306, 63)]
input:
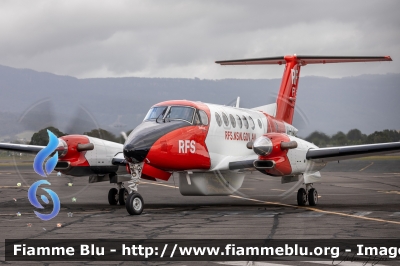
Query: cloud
[(183, 39)]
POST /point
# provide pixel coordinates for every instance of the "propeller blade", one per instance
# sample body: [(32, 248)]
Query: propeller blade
[(82, 121), (38, 116)]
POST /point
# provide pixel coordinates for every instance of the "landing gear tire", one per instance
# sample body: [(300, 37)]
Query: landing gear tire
[(134, 204), (312, 197), (113, 196), (123, 196), (301, 197)]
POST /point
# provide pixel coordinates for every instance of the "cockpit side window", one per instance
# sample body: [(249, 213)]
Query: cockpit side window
[(203, 117), (155, 112), (196, 120)]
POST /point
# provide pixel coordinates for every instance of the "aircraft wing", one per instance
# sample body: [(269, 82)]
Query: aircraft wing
[(21, 148), (350, 152)]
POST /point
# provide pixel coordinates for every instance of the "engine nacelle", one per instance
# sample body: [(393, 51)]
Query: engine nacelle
[(272, 159), (81, 155), (283, 155)]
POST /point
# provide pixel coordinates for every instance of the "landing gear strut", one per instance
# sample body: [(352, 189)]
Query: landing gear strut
[(309, 194), (134, 202)]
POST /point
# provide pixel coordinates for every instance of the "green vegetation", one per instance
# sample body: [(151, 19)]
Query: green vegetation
[(353, 137), (104, 134), (41, 138)]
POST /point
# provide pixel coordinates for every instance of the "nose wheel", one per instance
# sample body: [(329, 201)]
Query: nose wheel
[(309, 194), (134, 204)]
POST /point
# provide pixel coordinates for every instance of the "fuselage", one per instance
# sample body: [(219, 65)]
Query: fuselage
[(194, 136)]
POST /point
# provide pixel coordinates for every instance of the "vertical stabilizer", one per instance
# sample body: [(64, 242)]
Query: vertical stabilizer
[(287, 95), (286, 100)]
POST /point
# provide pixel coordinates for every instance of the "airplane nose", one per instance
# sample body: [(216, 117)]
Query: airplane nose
[(140, 141), (136, 153)]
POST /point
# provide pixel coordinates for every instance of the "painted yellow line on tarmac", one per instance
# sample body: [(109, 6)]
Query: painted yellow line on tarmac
[(390, 192), (366, 167), (13, 186), (299, 207), (157, 184), (276, 189), (391, 173), (318, 210)]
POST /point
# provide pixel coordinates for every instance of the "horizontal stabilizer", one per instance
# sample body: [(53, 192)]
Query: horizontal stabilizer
[(349, 152), (304, 60)]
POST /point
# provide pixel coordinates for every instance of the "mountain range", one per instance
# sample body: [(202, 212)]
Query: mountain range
[(31, 100)]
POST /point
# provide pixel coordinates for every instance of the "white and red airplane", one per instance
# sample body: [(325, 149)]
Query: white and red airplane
[(210, 146)]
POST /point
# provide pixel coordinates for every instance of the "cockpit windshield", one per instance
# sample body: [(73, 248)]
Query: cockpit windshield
[(169, 113), (155, 112), (180, 113)]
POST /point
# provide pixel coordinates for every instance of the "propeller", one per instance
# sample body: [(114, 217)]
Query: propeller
[(43, 114)]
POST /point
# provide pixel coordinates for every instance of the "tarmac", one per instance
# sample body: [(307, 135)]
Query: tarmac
[(358, 199)]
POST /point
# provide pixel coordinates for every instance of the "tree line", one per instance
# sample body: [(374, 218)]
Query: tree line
[(41, 137), (353, 137)]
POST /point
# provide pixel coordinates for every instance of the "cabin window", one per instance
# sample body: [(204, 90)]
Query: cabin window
[(259, 123), (218, 118), (225, 118), (239, 121), (233, 122), (246, 124), (203, 117), (252, 125)]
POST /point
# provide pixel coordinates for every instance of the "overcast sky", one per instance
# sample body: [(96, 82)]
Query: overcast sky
[(183, 38)]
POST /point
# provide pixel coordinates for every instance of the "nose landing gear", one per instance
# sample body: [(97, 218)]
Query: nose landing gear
[(309, 194), (134, 202)]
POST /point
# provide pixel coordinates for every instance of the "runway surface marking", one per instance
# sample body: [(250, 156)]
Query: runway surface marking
[(32, 213), (362, 213), (300, 207), (366, 167), (164, 185), (318, 210), (13, 186), (390, 192)]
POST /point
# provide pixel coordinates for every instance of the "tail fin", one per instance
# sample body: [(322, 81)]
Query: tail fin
[(286, 100)]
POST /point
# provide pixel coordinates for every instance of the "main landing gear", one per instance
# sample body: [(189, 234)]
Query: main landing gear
[(309, 194), (118, 195)]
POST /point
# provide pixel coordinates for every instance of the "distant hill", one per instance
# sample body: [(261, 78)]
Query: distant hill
[(367, 102)]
